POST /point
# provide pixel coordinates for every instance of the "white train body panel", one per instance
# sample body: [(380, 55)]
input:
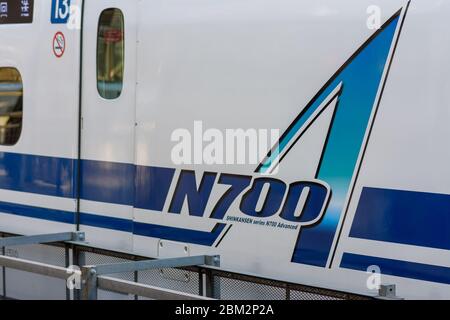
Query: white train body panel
[(363, 115)]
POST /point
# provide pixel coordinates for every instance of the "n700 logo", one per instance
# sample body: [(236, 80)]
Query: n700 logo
[(301, 202)]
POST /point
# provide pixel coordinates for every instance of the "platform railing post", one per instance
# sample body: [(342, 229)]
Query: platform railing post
[(89, 289), (77, 260), (67, 265), (212, 288), (3, 273)]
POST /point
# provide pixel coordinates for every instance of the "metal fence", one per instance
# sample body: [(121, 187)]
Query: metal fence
[(201, 281)]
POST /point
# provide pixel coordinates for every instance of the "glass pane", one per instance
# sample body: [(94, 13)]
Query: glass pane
[(11, 106), (110, 54)]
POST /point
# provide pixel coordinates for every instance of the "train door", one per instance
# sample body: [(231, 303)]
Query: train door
[(108, 122)]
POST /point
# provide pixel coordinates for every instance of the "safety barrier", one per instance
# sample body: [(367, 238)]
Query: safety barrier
[(106, 274)]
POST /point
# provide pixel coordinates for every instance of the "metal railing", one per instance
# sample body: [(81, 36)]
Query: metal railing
[(186, 278), (92, 281), (93, 284)]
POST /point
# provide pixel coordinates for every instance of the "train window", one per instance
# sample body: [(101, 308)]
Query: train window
[(11, 106), (110, 54)]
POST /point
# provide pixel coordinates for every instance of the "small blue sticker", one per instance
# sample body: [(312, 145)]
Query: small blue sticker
[(60, 11)]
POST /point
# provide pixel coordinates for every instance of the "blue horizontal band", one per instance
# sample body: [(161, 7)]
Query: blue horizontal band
[(37, 212), (105, 222), (406, 217), (48, 176), (398, 268), (107, 182), (117, 224)]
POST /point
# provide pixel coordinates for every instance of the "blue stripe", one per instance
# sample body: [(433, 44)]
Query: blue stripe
[(118, 224), (38, 213), (101, 181), (404, 269), (51, 176), (38, 174), (107, 182), (413, 218), (106, 222), (152, 187)]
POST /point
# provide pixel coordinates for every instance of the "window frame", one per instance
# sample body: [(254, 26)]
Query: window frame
[(100, 93), (21, 97)]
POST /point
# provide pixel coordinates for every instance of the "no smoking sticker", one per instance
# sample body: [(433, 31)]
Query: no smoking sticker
[(59, 44)]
